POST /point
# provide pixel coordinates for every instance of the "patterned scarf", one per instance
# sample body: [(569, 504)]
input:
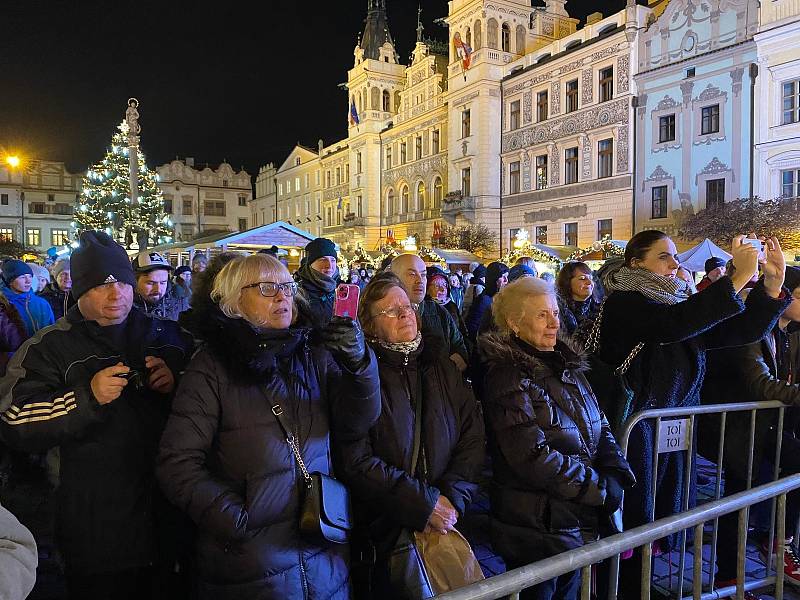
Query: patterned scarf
[(402, 347), (664, 290)]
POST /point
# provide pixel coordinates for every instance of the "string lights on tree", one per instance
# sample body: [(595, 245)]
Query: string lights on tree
[(522, 247)]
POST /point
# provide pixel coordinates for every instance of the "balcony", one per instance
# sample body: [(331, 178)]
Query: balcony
[(40, 208), (351, 220), (487, 55), (457, 205)]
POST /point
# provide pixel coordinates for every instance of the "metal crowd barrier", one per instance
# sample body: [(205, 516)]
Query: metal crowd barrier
[(512, 582)]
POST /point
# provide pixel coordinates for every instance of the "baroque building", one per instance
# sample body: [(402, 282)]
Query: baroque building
[(263, 208), (696, 77), (566, 122), (205, 200)]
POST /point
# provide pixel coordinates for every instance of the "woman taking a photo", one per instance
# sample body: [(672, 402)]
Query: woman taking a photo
[(558, 472), (417, 378), (224, 457)]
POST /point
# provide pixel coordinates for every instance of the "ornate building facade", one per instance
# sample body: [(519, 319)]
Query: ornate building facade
[(567, 126), (205, 200), (695, 114), (263, 208)]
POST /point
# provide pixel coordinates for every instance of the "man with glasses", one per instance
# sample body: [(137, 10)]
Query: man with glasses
[(435, 319)]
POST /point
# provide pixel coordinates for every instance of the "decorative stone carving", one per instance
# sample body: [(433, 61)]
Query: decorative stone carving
[(714, 167), (586, 157), (608, 113), (736, 76), (465, 99), (666, 103), (575, 64), (605, 53), (586, 87), (623, 73), (335, 193), (526, 171), (686, 91), (622, 149), (527, 107), (710, 93), (658, 174), (420, 169), (555, 165), (556, 213), (555, 98)]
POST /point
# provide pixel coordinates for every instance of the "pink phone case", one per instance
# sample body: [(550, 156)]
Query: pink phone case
[(346, 303)]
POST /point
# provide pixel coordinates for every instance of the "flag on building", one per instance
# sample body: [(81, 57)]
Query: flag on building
[(437, 230), (339, 205), (354, 120), (390, 237), (463, 51)]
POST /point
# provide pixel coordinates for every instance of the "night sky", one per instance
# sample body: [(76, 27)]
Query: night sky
[(215, 81)]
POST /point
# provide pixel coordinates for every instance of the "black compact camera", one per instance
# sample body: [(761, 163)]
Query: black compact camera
[(137, 378)]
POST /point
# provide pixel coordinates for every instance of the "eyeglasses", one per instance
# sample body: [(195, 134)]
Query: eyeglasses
[(396, 311), (269, 289)]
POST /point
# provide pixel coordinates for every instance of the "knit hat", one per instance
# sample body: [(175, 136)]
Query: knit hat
[(479, 272), (144, 262), (713, 263), (39, 271), (318, 248), (435, 271), (99, 260), (183, 269), (792, 280), (14, 268), (494, 272), (58, 267), (518, 271)]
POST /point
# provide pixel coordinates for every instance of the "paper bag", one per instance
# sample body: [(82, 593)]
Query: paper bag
[(448, 559)]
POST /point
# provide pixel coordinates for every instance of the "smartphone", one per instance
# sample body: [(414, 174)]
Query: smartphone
[(757, 244), (346, 303)]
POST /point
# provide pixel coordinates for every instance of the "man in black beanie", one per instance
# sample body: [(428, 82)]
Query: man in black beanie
[(317, 278), (98, 384)]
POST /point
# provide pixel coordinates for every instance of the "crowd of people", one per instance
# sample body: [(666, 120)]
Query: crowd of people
[(202, 414)]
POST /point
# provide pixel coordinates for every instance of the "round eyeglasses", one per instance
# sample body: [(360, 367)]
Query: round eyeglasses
[(269, 289), (396, 311)]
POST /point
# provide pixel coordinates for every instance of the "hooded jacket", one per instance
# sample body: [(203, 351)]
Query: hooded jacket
[(225, 461), (35, 311), (550, 445), (58, 299)]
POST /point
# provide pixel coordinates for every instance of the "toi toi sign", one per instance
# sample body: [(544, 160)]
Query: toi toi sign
[(674, 435)]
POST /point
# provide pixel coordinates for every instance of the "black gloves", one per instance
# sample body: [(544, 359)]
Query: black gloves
[(613, 494), (344, 338)]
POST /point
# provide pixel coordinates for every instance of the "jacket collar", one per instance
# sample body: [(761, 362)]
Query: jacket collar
[(499, 349)]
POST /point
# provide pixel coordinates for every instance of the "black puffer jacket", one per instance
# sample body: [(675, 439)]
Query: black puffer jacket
[(224, 459), (550, 446), (377, 466), (58, 299)]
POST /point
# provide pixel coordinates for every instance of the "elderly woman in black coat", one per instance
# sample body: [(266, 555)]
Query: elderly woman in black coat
[(648, 303), (558, 472), (224, 457), (389, 495)]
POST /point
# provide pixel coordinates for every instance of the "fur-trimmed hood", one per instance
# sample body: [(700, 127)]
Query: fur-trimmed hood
[(498, 349)]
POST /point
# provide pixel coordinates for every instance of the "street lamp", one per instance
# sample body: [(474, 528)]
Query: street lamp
[(13, 161)]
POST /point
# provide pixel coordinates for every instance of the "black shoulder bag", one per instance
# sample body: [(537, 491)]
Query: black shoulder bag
[(325, 511)]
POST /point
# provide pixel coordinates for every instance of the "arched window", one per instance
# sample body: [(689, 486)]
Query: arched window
[(437, 192), (607, 29), (491, 33), (390, 203), (468, 37), (386, 101), (397, 102), (477, 35), (520, 49), (404, 200), (421, 196), (375, 99), (361, 102), (572, 44), (506, 38)]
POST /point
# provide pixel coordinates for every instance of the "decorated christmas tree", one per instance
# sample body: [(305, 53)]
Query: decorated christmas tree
[(106, 204)]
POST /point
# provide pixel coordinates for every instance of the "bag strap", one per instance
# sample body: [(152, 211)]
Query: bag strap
[(277, 410), (417, 427), (593, 343)]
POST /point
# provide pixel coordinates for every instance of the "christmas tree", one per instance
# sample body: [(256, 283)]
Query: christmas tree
[(105, 202)]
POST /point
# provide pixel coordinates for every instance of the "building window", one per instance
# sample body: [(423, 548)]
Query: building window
[(58, 237), (288, 186), (421, 196), (327, 179), (541, 171), (715, 193), (358, 163), (604, 229), (4, 199), (514, 115), (513, 178), (37, 208), (7, 234), (242, 200), (572, 95), (62, 208), (666, 128), (710, 119), (51, 197), (541, 234), (605, 155), (168, 205), (571, 165), (188, 205), (338, 175), (690, 72), (403, 153), (435, 141), (790, 183), (541, 106), (305, 180), (386, 99), (606, 84), (224, 183), (506, 37), (466, 181), (34, 237), (659, 198), (404, 195), (242, 224), (791, 102), (317, 176), (466, 123), (389, 157), (570, 234), (437, 192), (390, 203), (214, 208), (418, 147)]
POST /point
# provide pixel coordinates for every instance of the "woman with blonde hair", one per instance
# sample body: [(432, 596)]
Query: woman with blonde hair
[(558, 472), (224, 457)]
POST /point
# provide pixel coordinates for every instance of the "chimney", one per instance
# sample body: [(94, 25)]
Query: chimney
[(190, 161), (593, 18)]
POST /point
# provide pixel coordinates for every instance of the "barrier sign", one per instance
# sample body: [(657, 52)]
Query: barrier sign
[(674, 436)]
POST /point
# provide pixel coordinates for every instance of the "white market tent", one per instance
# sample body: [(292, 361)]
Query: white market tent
[(695, 258)]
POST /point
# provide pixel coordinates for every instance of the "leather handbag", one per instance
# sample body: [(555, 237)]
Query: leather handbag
[(325, 512)]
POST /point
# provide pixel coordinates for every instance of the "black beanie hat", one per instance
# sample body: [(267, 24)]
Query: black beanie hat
[(713, 263), (792, 280), (479, 272), (494, 272), (13, 268), (318, 248), (99, 260)]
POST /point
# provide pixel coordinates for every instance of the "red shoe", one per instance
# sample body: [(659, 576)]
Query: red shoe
[(791, 562), (747, 595)]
